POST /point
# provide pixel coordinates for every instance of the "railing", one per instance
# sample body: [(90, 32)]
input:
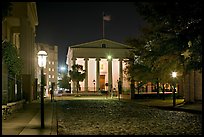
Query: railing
[(14, 89)]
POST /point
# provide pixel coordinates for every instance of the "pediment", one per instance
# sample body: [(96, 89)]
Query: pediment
[(102, 43)]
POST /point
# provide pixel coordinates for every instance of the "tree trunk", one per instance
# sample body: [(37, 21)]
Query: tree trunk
[(157, 86), (132, 86), (163, 91), (77, 86)]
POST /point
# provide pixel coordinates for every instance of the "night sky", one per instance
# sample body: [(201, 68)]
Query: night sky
[(69, 23)]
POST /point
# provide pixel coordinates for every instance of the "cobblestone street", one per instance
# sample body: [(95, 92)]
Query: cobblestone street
[(114, 117)]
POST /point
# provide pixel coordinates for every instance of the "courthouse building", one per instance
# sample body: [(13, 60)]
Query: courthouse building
[(104, 62)]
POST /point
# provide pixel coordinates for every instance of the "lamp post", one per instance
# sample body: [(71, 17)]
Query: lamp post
[(94, 85), (174, 74), (52, 91), (42, 63)]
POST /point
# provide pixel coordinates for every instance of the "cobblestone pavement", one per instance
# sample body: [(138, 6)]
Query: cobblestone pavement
[(114, 117)]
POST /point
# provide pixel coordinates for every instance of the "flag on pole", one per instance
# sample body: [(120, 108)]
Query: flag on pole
[(106, 17)]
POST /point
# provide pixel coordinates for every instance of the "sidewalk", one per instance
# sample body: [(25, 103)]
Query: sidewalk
[(158, 103), (28, 120), (168, 104), (191, 107)]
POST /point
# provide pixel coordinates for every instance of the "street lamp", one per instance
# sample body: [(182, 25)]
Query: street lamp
[(174, 74), (42, 63), (94, 85), (109, 57), (62, 68)]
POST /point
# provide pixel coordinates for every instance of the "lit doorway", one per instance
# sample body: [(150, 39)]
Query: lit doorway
[(102, 82)]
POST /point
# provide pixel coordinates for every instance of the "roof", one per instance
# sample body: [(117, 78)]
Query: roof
[(98, 44)]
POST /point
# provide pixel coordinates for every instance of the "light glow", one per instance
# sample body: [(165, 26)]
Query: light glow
[(42, 55), (174, 74), (109, 57), (62, 68)]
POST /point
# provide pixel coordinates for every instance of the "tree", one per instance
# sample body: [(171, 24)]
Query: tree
[(136, 63), (12, 58), (171, 40), (175, 24), (64, 83), (14, 64), (77, 74)]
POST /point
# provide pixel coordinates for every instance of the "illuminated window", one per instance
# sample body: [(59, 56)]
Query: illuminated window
[(53, 62), (53, 69), (49, 69), (53, 76), (49, 76), (16, 40), (49, 62)]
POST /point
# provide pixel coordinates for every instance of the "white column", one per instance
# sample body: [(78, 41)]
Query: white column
[(24, 46), (121, 69), (198, 85), (97, 73), (109, 73), (73, 85), (86, 78)]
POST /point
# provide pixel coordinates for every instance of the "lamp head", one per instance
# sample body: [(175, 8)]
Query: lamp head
[(109, 57), (174, 74), (42, 55)]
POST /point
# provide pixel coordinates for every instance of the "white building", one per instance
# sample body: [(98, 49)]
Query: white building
[(51, 69), (104, 60)]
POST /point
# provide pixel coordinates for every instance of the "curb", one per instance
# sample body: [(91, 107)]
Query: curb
[(54, 119), (178, 108)]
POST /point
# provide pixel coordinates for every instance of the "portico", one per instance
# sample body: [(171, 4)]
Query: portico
[(103, 61)]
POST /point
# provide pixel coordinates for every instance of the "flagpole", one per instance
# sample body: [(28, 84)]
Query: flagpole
[(103, 26)]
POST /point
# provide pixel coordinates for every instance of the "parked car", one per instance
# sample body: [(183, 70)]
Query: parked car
[(67, 91), (60, 91)]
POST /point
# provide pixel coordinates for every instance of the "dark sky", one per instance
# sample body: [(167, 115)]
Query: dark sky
[(69, 23)]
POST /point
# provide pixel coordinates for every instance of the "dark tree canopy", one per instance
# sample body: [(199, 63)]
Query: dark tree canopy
[(170, 41), (173, 25)]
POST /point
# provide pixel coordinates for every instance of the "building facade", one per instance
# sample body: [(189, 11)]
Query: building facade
[(191, 86), (104, 62), (19, 28), (51, 70)]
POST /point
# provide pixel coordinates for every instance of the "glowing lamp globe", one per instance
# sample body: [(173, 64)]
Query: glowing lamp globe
[(109, 57), (174, 74), (42, 55)]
